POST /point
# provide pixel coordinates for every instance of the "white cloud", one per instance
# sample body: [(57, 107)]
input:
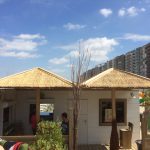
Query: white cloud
[(143, 9), (131, 11), (105, 12), (136, 37), (30, 36), (68, 47), (71, 26), (18, 54), (64, 59), (122, 12), (98, 47), (74, 54), (58, 61), (21, 46)]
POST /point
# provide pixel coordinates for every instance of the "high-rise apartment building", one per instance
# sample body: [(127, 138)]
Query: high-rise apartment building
[(136, 61), (143, 64), (132, 61), (119, 62), (147, 61)]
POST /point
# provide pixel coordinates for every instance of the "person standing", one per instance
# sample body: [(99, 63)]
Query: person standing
[(65, 124), (33, 122)]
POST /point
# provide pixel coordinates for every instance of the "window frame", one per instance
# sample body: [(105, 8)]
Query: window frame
[(110, 100)]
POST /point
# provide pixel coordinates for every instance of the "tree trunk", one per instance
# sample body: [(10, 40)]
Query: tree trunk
[(114, 139), (76, 127)]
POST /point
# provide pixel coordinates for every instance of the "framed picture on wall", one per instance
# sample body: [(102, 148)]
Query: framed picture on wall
[(108, 115)]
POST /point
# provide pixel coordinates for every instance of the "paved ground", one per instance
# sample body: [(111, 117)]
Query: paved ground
[(91, 147), (99, 147)]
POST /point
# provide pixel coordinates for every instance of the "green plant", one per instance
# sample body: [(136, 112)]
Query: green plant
[(144, 98), (49, 137)]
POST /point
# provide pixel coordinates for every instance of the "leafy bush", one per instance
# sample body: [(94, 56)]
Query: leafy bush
[(49, 137)]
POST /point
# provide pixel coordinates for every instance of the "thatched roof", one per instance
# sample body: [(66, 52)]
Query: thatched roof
[(34, 78), (114, 78)]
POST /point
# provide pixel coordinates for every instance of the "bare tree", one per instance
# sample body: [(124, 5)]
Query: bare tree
[(79, 66)]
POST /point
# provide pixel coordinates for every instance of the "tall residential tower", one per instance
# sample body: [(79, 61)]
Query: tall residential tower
[(136, 61)]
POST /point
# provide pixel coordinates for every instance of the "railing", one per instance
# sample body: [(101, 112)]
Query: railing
[(27, 138)]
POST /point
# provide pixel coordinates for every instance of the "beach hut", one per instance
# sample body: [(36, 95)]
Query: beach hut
[(21, 92), (112, 93)]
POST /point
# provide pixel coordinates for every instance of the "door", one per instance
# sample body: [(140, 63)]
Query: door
[(83, 122)]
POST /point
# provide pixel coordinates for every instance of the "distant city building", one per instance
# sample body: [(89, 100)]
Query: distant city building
[(147, 60), (136, 61), (132, 61), (119, 62)]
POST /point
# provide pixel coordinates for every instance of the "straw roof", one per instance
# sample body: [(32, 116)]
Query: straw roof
[(114, 78), (34, 78)]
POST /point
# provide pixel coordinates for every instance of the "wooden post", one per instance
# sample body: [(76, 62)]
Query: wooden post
[(114, 139), (1, 117), (1, 111), (38, 105), (70, 129), (113, 93)]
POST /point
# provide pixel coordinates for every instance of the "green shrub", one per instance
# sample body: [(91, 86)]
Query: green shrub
[(49, 137)]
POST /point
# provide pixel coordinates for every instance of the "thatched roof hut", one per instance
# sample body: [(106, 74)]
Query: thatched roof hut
[(34, 78), (114, 78)]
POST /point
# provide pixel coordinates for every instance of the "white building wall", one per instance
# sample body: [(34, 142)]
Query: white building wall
[(7, 99), (101, 134), (95, 134), (25, 98)]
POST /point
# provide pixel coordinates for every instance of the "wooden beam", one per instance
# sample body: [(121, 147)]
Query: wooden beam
[(26, 138), (38, 105), (113, 96), (23, 138)]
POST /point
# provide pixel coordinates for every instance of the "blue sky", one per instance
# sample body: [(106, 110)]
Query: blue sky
[(47, 33)]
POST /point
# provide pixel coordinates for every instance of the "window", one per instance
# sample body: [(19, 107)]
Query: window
[(105, 111), (46, 111)]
